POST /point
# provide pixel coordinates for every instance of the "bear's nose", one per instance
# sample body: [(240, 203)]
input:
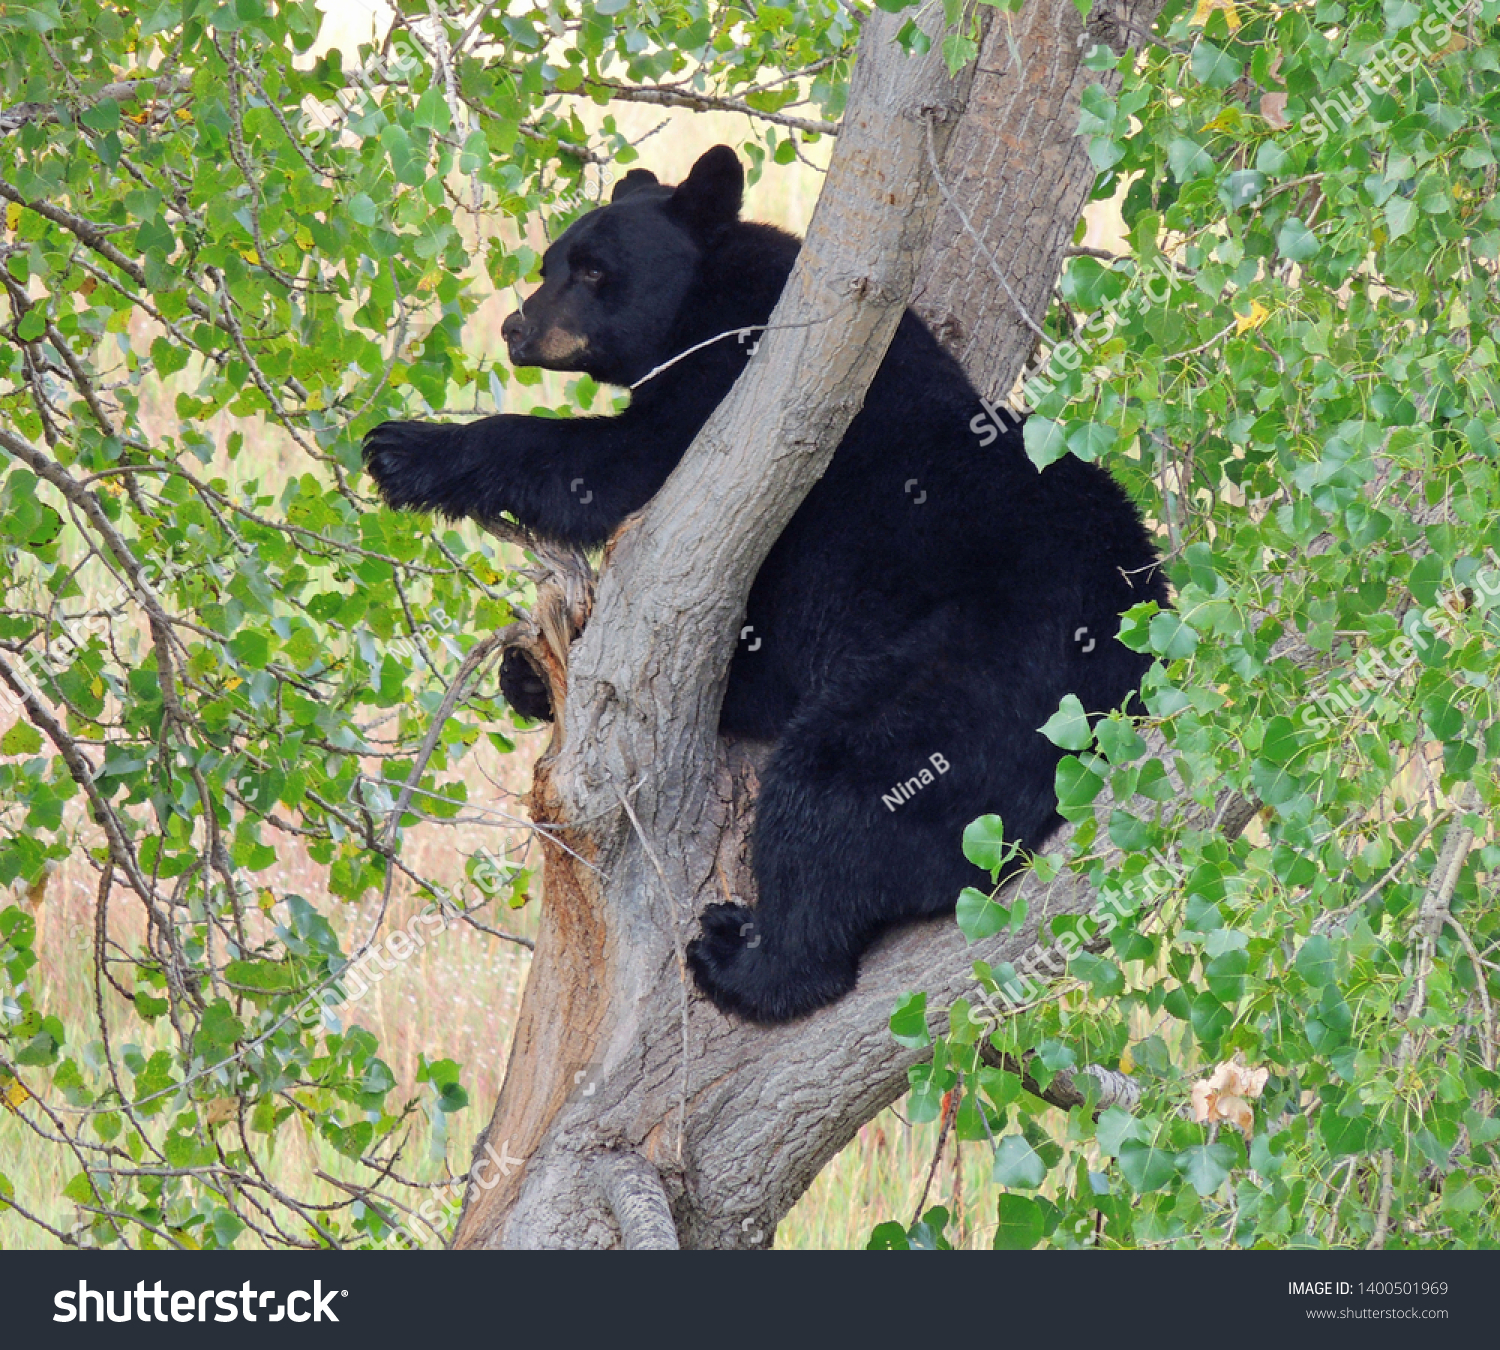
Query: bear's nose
[(520, 336)]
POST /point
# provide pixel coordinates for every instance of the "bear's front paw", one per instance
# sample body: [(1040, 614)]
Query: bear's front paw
[(524, 688), (409, 462)]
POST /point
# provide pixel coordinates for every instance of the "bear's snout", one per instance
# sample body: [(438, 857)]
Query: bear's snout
[(517, 335), (548, 343)]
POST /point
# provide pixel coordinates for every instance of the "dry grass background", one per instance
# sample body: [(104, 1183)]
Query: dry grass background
[(459, 996)]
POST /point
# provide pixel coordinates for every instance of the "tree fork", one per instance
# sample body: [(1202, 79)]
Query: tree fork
[(600, 1014)]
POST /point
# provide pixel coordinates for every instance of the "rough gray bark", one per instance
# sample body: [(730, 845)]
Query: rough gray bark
[(1022, 176), (614, 1056), (633, 1191)]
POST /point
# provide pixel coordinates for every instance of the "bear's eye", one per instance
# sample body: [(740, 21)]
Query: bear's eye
[(588, 272)]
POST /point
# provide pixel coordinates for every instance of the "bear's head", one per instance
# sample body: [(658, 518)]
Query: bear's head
[(614, 281)]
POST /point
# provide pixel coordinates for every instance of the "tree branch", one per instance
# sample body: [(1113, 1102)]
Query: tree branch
[(1111, 1087), (672, 98), (633, 1190), (122, 91)]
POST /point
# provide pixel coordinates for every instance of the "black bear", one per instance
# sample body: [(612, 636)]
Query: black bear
[(927, 607)]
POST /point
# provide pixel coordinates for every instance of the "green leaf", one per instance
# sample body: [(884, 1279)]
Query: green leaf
[(21, 739), (1212, 67), (979, 916), (1000, 1085), (927, 1233), (1225, 976), (80, 1190), (1427, 575), (1045, 442), (1088, 283), (958, 51), (1018, 1164), (1105, 979), (1077, 786), (909, 1021), (1128, 832), (1314, 961), (1092, 441), (984, 843), (1145, 1168), (1119, 741), (1461, 1195), (251, 648), (1342, 1135), (1020, 1223), (432, 112), (1434, 196), (226, 1228), (1244, 186), (888, 1237), (1206, 1166), (220, 1028), (149, 1006), (1400, 215), (262, 976), (1188, 160), (1068, 727), (1105, 152), (1296, 241), (1117, 1127), (924, 1103), (1171, 637), (362, 210), (1099, 111), (1281, 742), (351, 1141), (1054, 1054)]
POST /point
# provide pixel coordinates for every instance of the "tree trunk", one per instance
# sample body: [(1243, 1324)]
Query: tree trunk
[(1021, 175), (633, 1112)]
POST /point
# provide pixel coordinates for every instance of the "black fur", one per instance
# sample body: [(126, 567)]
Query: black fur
[(922, 602)]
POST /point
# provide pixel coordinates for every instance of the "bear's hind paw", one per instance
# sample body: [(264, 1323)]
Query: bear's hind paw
[(739, 967)]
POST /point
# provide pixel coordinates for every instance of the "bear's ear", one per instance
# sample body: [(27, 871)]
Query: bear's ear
[(632, 182), (711, 194)]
